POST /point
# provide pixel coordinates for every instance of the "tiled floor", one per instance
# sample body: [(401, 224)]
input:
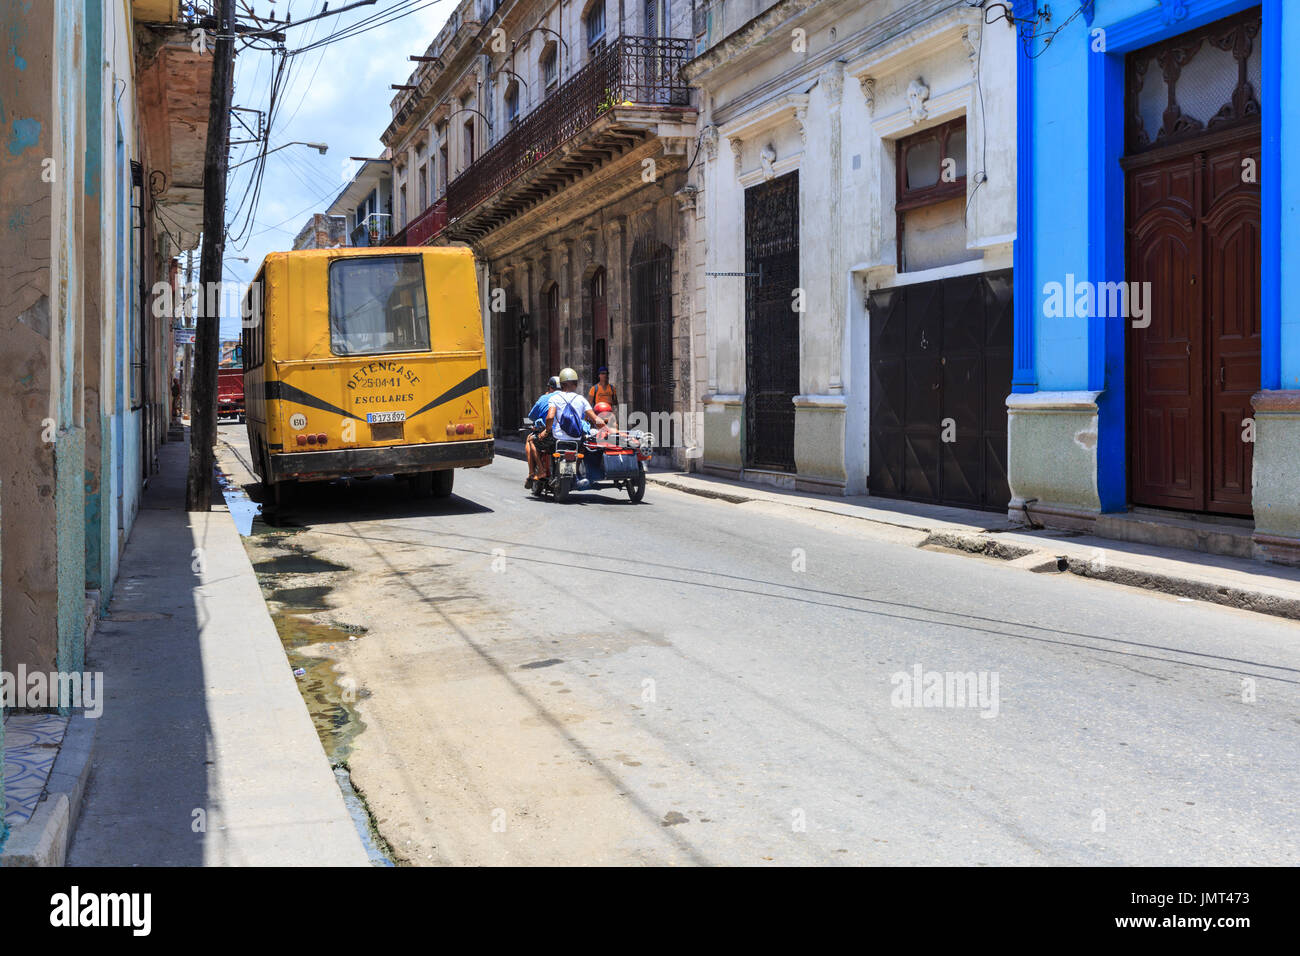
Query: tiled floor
[(31, 744)]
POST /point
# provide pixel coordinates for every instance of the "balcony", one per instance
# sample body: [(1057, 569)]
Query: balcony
[(632, 92), (424, 228), (371, 231)]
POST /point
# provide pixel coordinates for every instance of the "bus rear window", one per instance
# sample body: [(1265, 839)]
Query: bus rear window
[(377, 304)]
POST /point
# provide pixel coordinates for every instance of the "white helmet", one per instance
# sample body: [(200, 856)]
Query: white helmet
[(568, 375)]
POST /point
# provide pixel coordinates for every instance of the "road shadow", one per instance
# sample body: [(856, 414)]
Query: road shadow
[(348, 499)]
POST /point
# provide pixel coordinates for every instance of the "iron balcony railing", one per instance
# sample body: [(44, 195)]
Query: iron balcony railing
[(194, 12), (631, 71), (371, 231), (423, 228)]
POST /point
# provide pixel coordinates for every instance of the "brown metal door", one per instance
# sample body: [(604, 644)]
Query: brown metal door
[(1195, 236)]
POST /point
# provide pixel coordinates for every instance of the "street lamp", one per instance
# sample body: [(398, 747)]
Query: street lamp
[(322, 147)]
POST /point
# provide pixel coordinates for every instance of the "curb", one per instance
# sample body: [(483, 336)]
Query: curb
[(1259, 602), (1047, 561), (1038, 560), (509, 451), (44, 838)]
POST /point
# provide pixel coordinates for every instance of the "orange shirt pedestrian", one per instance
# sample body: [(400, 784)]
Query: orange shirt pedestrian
[(602, 391)]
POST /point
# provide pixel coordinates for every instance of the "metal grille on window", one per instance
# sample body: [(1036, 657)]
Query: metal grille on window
[(652, 328), (510, 385), (1201, 81), (771, 324)]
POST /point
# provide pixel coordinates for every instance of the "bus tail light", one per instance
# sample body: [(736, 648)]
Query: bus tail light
[(302, 439), (311, 439), (321, 438)]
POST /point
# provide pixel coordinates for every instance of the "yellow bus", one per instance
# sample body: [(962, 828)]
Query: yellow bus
[(366, 361)]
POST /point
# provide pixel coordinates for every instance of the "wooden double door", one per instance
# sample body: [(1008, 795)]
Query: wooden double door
[(1194, 235)]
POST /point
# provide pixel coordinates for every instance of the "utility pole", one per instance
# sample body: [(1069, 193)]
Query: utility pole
[(203, 399)]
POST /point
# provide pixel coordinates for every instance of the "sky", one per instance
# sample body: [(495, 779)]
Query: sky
[(337, 94)]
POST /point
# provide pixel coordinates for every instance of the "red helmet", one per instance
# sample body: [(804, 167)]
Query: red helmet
[(603, 407)]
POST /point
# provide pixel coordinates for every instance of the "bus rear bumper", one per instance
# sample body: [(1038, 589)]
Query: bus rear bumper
[(385, 460)]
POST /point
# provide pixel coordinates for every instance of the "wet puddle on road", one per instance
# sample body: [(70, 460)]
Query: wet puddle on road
[(330, 698)]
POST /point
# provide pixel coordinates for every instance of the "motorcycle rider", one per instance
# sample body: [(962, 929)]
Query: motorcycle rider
[(569, 396), (539, 457)]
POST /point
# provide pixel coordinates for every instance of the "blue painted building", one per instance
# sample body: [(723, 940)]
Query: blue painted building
[(1156, 349)]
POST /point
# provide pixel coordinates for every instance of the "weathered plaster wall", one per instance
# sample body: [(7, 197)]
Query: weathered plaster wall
[(831, 103), (29, 564)]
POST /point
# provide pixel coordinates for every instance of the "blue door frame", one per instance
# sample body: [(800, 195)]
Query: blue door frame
[(1105, 197)]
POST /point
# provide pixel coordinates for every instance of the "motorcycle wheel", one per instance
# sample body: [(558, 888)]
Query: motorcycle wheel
[(563, 485), (636, 486)]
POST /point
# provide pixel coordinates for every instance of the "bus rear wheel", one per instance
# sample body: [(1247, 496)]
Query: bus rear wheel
[(442, 482), (421, 484)]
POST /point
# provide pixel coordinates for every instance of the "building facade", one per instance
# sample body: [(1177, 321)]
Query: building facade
[(365, 205), (323, 231), (1157, 351), (553, 138), (853, 218), (100, 188)]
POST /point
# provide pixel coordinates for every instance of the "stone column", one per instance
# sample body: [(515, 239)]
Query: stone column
[(567, 331), (617, 297), (1275, 500), (834, 80)]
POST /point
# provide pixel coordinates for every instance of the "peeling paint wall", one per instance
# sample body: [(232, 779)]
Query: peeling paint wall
[(27, 319), (70, 268)]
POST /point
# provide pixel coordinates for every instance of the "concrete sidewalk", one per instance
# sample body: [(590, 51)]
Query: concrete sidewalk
[(1230, 581), (205, 753)]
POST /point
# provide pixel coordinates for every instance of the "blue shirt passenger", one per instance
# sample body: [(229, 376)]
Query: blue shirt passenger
[(538, 411)]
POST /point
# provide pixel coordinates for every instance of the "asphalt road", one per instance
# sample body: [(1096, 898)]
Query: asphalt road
[(692, 681)]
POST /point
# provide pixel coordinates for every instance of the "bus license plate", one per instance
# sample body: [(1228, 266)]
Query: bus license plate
[(373, 418)]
